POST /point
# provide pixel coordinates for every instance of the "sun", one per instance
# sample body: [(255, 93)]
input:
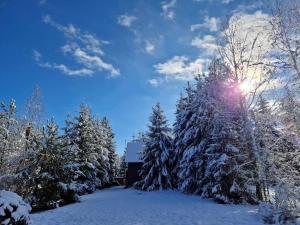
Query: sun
[(246, 86)]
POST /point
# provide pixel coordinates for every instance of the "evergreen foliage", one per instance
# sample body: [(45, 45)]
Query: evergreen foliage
[(156, 172)]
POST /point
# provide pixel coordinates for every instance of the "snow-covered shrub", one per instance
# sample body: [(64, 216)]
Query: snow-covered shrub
[(68, 194), (13, 210), (47, 192)]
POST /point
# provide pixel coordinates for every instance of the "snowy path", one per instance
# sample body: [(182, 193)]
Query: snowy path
[(118, 206)]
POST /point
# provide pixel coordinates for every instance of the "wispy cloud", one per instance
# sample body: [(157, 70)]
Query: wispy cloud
[(181, 68), (212, 1), (153, 82), (149, 47), (85, 48), (126, 20), (168, 9), (211, 23), (61, 67), (208, 44)]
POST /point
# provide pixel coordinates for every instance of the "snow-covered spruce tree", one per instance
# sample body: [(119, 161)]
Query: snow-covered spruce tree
[(101, 153), (290, 112), (231, 172), (156, 172), (7, 123), (111, 148), (81, 146), (194, 140), (183, 114), (280, 168), (265, 123), (27, 170), (122, 166), (49, 170)]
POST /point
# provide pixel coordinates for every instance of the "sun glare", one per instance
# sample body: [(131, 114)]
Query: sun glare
[(246, 86)]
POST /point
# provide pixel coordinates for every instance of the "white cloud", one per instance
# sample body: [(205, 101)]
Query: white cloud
[(211, 23), (126, 20), (153, 82), (85, 48), (208, 44), (61, 67), (219, 1), (250, 27), (181, 68), (252, 46), (168, 9), (149, 47)]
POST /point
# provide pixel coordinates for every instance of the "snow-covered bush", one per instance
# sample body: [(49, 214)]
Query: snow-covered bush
[(47, 193), (13, 210), (68, 194)]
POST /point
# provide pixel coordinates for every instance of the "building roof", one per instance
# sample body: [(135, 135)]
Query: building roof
[(133, 151)]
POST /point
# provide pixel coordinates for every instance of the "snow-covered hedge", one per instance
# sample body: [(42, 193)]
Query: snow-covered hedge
[(13, 210)]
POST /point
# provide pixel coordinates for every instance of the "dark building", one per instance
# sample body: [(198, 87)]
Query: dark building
[(133, 160), (132, 173)]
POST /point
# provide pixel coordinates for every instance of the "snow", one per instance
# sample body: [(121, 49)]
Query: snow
[(14, 204), (133, 151), (131, 207)]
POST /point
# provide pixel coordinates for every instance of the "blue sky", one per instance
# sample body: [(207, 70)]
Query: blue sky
[(120, 57)]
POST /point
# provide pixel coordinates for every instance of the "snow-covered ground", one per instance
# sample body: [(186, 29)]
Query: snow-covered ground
[(131, 207)]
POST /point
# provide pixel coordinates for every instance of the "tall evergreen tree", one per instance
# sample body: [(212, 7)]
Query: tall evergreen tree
[(111, 148), (156, 172), (80, 138), (48, 174), (7, 123), (230, 174), (183, 114), (194, 139), (102, 152)]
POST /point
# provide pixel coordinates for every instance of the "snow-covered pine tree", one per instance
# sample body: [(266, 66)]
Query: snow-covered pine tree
[(7, 123), (28, 168), (278, 165), (194, 139), (48, 174), (184, 137), (81, 147), (101, 153), (265, 123), (156, 173), (290, 112), (183, 113), (122, 167), (111, 148), (230, 174)]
